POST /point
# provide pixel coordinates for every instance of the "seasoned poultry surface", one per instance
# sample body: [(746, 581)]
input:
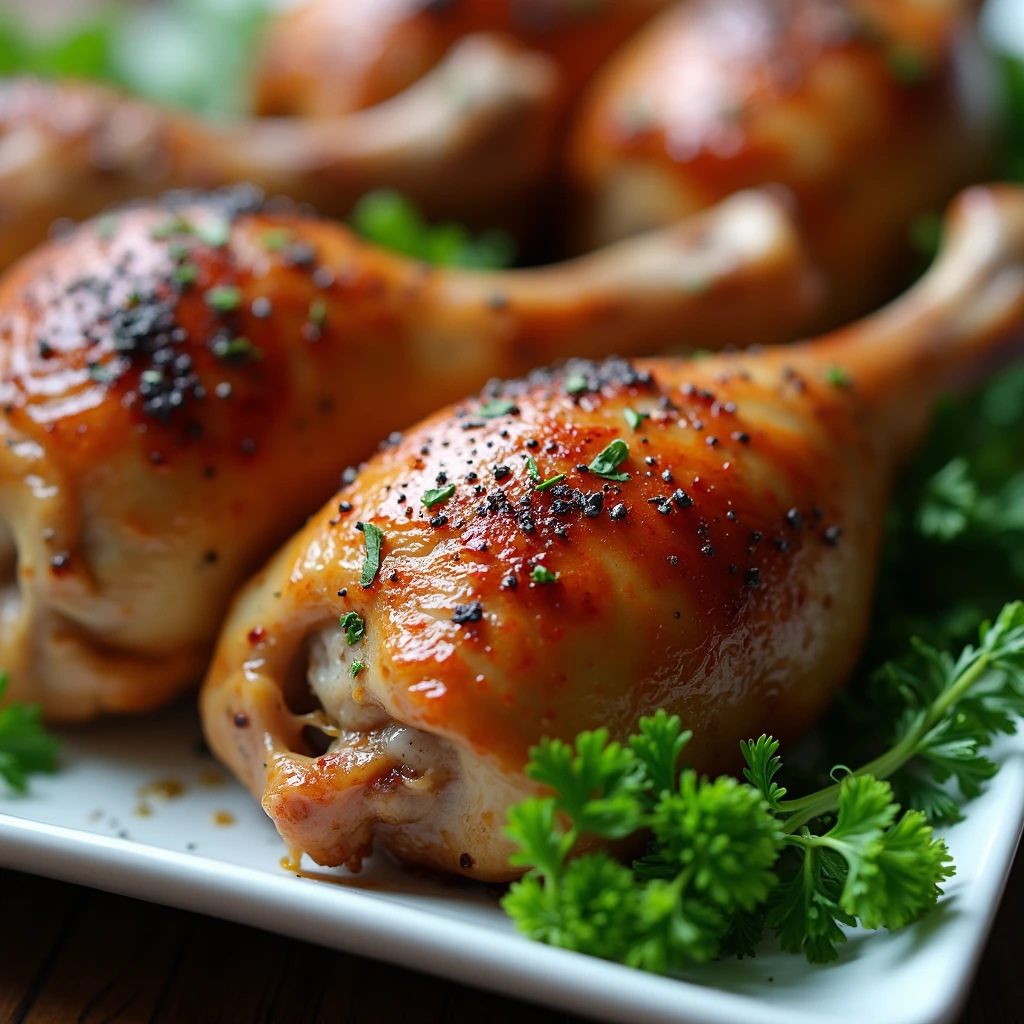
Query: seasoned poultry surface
[(328, 57), (472, 141), (720, 566), (871, 111), (183, 381)]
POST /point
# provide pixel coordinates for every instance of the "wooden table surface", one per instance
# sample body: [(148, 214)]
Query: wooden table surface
[(69, 954)]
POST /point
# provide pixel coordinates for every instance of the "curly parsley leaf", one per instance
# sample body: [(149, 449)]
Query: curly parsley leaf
[(805, 910), (594, 909), (659, 745), (727, 859), (543, 847), (723, 836), (674, 930), (597, 783), (762, 765), (25, 746)]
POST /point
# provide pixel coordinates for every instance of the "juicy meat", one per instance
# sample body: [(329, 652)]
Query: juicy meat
[(717, 560), (181, 382), (872, 112)]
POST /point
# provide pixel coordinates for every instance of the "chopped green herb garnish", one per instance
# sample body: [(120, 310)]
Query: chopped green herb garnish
[(438, 495), (354, 626), (215, 233), (575, 384), (539, 484), (152, 376), (496, 407), (101, 374), (838, 377), (25, 747), (374, 538), (318, 312), (540, 574), (545, 485), (237, 348), (276, 239), (357, 667), (186, 273), (171, 226), (607, 461), (223, 298), (634, 418)]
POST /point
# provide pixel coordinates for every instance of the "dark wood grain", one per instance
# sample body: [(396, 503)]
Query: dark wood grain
[(69, 954)]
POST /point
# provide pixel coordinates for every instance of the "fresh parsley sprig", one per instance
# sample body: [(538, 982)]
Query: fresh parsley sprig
[(952, 709), (726, 858), (25, 746)]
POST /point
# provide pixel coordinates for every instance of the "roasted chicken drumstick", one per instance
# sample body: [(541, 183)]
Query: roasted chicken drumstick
[(472, 141), (871, 111), (584, 546), (328, 57), (182, 382)]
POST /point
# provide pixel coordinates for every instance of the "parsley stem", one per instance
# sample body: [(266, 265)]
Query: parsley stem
[(813, 805)]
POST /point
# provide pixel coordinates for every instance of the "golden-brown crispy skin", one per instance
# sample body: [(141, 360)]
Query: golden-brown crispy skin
[(472, 140), (871, 111), (328, 57), (728, 579), (183, 381)]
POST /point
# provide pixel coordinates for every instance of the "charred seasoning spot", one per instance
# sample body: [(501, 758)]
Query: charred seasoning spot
[(465, 861), (832, 535), (471, 612), (256, 635), (241, 720)]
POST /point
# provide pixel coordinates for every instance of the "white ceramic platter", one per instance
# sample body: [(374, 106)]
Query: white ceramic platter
[(89, 824)]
